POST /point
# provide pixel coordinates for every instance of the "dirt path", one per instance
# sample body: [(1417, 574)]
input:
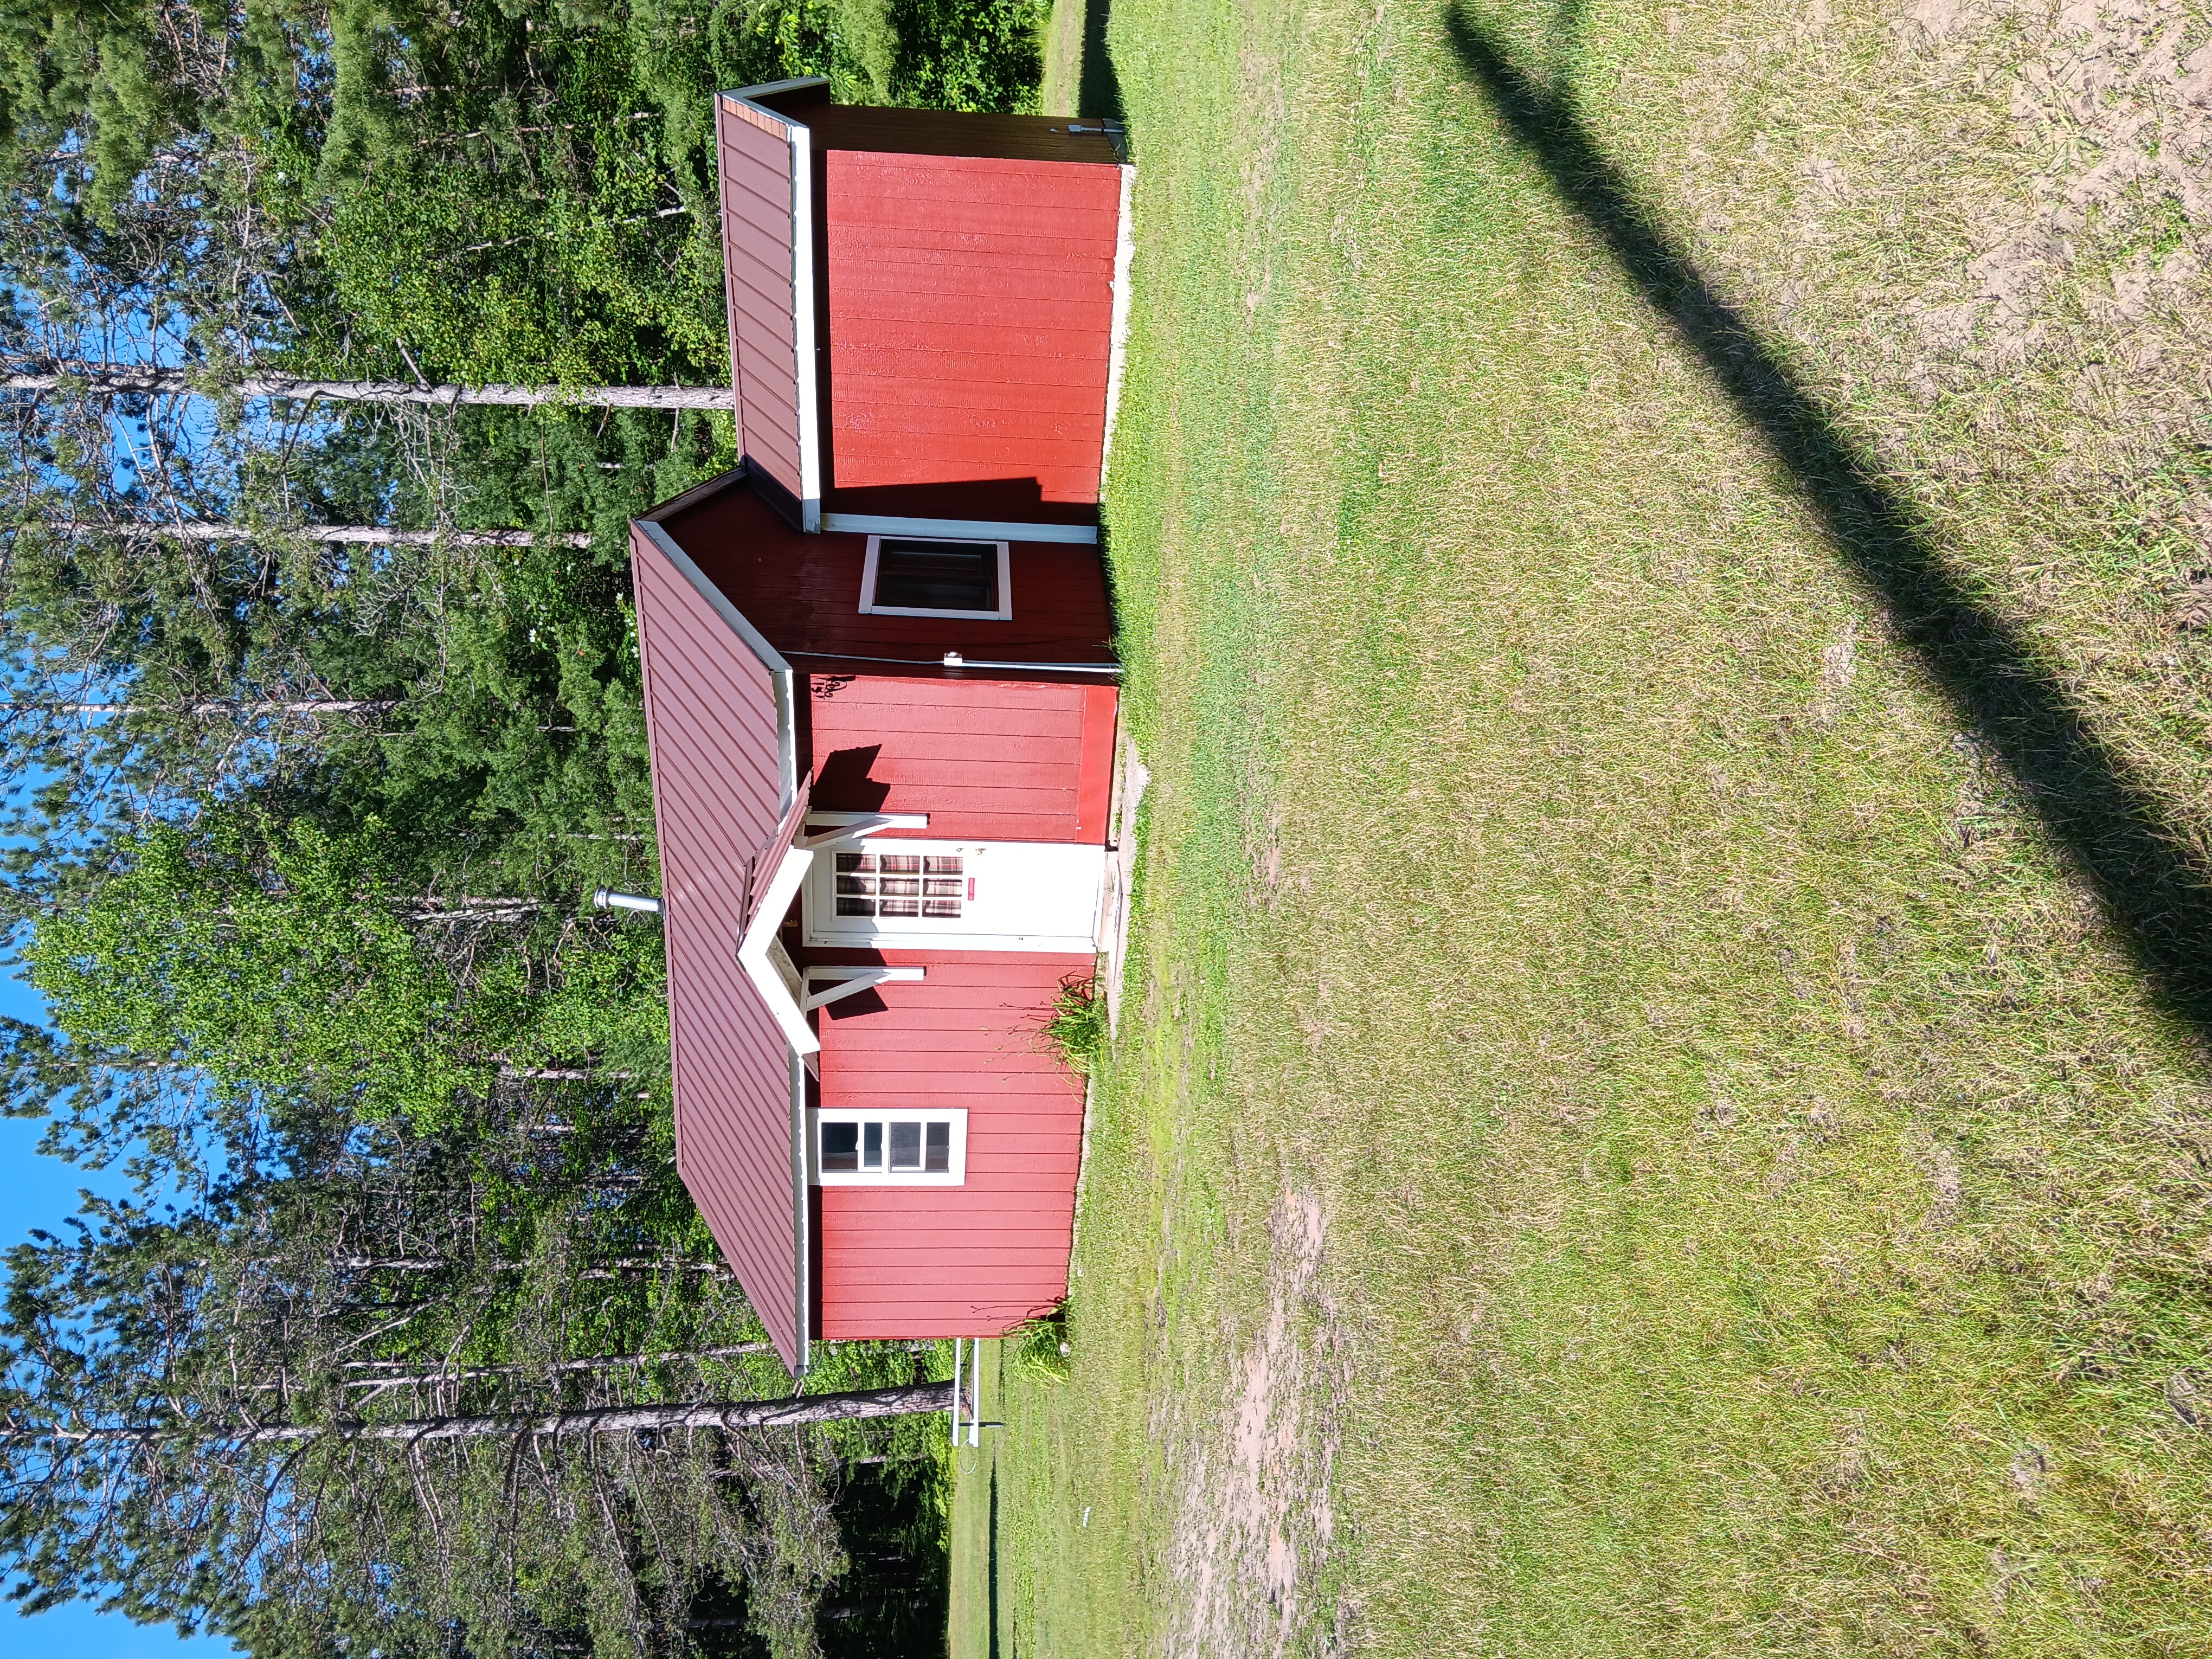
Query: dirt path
[(1249, 1556)]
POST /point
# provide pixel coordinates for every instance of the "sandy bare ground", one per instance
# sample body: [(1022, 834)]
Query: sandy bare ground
[(1250, 1557)]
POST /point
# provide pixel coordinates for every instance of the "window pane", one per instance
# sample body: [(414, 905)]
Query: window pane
[(855, 885), (906, 1145), (941, 863), (940, 1148), (871, 1156), (901, 864), (893, 906), (847, 906), (945, 909), (855, 863), (937, 575), (901, 886), (841, 1148)]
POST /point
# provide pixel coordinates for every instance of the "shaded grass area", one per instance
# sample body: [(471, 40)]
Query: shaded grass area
[(1661, 1106), (1079, 69)]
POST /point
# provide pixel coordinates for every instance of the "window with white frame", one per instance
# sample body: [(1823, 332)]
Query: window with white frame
[(882, 883), (917, 576), (898, 1147)]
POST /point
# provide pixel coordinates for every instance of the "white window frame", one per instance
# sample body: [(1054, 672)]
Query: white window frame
[(1004, 613), (956, 1175)]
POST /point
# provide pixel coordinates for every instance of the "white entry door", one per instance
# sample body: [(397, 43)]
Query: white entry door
[(904, 894)]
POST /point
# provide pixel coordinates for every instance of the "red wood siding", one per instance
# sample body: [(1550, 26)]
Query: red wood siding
[(803, 593), (711, 723), (988, 760), (970, 314), (975, 1258), (757, 269)]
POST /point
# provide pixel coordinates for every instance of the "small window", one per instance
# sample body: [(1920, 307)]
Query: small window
[(856, 1147), (933, 884), (906, 576)]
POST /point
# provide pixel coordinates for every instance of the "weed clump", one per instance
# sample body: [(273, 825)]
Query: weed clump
[(1040, 1345), (1077, 1026)]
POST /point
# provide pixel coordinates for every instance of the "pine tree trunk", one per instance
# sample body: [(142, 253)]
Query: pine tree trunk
[(306, 706), (374, 534), (614, 1266), (373, 1378), (912, 1398), (97, 377)]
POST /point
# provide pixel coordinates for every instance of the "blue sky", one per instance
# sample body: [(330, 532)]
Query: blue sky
[(37, 1192)]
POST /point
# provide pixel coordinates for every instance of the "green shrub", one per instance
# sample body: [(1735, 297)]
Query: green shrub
[(983, 55)]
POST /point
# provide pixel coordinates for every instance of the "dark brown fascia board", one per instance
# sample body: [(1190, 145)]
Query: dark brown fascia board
[(705, 491), (785, 505), (790, 99), (898, 131), (950, 132)]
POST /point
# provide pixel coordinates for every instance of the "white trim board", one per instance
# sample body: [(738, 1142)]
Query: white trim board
[(753, 953), (851, 982), (1125, 259), (959, 529), (802, 327)]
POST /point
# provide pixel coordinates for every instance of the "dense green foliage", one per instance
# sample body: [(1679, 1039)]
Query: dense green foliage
[(301, 832)]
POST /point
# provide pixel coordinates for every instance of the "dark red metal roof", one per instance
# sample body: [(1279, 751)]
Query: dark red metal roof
[(768, 260), (719, 722)]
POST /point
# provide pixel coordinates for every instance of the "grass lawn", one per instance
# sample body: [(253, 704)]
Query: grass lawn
[(975, 1520), (1662, 1105)]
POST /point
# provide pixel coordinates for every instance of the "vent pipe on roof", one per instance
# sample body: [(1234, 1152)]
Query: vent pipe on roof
[(606, 898)]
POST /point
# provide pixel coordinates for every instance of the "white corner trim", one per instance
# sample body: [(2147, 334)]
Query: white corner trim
[(1125, 257), (768, 88), (753, 953), (802, 1206), (967, 530), (864, 822), (802, 326)]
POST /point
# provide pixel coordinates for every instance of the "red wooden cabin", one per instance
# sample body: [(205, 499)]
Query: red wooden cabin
[(881, 698)]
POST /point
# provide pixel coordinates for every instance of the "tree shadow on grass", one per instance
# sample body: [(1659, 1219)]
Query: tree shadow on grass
[(2115, 828), (1098, 90)]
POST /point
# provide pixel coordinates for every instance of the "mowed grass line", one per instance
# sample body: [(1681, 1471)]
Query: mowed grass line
[(1766, 1212)]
